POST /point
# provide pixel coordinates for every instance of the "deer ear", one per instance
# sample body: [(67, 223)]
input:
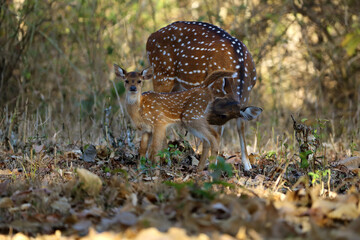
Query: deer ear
[(227, 86), (119, 72), (147, 73), (250, 113)]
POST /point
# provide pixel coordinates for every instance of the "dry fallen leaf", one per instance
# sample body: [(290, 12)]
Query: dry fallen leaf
[(173, 233), (194, 161), (39, 148), (89, 154), (6, 202), (103, 152), (82, 227), (92, 184), (351, 163), (150, 178), (220, 212), (233, 159), (19, 236), (345, 212), (336, 209), (62, 205), (5, 172), (254, 158)]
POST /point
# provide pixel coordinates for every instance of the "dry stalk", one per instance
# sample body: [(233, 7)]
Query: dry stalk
[(276, 184), (25, 121)]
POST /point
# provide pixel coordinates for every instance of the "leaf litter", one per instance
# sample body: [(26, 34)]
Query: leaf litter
[(103, 194)]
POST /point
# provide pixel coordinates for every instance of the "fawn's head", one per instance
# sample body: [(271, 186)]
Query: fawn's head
[(133, 81)]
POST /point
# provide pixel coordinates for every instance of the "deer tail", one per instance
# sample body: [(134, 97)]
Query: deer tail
[(219, 74)]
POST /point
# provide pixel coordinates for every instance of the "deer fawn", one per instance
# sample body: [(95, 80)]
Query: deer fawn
[(153, 112), (184, 53)]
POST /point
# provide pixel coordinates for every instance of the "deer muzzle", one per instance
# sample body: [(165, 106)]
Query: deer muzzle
[(133, 88)]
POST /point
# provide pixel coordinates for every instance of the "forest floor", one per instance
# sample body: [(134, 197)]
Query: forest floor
[(58, 191)]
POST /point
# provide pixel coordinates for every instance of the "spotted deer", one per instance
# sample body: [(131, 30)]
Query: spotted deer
[(183, 54), (153, 112)]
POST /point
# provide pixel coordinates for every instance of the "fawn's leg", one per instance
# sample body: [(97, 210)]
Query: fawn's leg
[(204, 154), (215, 141), (144, 143), (158, 136), (244, 156), (209, 138)]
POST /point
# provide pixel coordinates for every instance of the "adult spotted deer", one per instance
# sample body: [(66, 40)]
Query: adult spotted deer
[(153, 112), (183, 54)]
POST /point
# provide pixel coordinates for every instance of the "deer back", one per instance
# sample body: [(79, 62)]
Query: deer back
[(186, 52), (187, 105)]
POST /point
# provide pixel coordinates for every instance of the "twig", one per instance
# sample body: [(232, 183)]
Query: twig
[(276, 186), (81, 133), (118, 99)]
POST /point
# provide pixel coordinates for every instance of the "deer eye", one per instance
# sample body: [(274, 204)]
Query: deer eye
[(139, 81)]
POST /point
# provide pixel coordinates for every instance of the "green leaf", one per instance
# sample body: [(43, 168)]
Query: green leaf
[(28, 75), (304, 161), (220, 168), (110, 50), (270, 154), (351, 42), (304, 120)]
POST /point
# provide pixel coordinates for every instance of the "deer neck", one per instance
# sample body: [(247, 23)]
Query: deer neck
[(133, 99), (133, 105)]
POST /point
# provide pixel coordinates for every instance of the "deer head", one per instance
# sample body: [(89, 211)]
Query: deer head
[(133, 81)]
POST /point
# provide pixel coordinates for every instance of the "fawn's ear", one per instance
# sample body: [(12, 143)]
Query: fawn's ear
[(250, 113), (119, 72), (227, 86), (147, 73)]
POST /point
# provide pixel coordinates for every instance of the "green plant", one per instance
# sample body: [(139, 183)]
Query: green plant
[(319, 126), (304, 157), (205, 191), (308, 140), (169, 153), (319, 176), (353, 147), (220, 169), (271, 154), (197, 191), (146, 165), (106, 169)]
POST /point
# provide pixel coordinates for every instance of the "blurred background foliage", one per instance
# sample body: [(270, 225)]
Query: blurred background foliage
[(56, 58)]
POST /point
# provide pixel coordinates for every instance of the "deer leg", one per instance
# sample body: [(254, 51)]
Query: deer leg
[(209, 138), (216, 134), (244, 156), (144, 143), (215, 139), (158, 136), (221, 134), (204, 154)]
